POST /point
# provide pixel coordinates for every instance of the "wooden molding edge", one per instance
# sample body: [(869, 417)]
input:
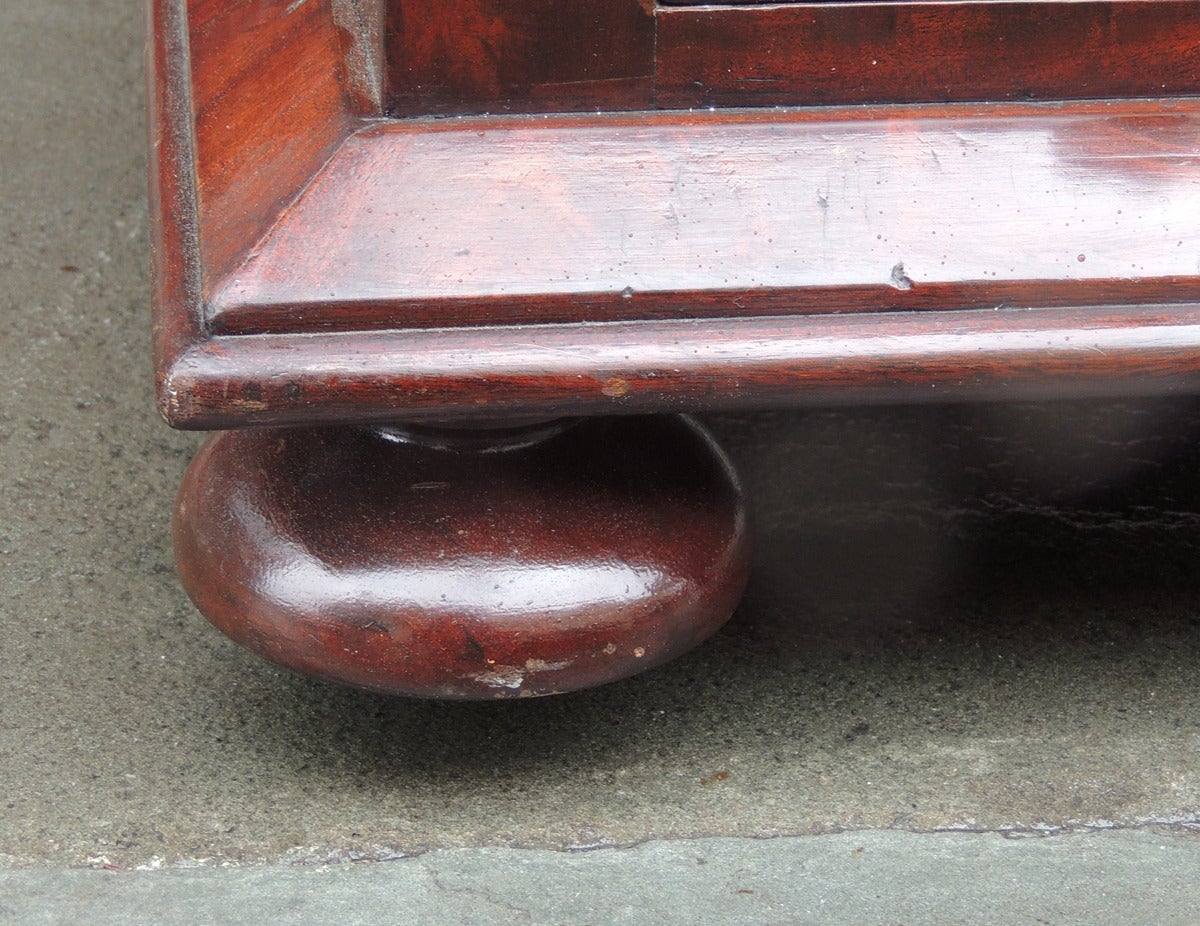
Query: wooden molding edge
[(179, 317), (640, 367)]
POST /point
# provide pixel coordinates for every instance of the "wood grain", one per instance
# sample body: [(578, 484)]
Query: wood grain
[(519, 55), (704, 215), (270, 109), (821, 53), (1111, 181), (597, 369), (581, 559), (314, 265), (176, 284)]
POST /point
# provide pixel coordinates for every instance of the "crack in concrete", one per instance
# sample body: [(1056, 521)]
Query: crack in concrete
[(435, 877), (1185, 825)]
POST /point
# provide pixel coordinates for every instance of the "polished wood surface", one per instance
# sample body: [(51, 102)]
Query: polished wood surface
[(614, 368), (177, 297), (269, 107), (712, 214), (381, 293), (583, 558), (502, 56), (319, 261), (818, 53), (519, 55), (376, 295)]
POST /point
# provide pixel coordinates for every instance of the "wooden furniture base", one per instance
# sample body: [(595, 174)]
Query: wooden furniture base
[(509, 563), (481, 212)]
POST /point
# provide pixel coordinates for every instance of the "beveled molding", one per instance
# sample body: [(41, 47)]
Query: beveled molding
[(277, 99)]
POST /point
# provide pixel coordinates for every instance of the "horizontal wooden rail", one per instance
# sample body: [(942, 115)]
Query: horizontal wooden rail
[(557, 370), (676, 215)]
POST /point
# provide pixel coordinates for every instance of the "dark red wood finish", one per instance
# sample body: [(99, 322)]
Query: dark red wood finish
[(654, 221), (269, 105), (581, 369), (816, 53), (500, 56), (318, 263), (583, 558), (677, 215), (177, 298), (519, 55)]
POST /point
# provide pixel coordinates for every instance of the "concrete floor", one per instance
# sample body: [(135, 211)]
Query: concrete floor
[(978, 618), (851, 879)]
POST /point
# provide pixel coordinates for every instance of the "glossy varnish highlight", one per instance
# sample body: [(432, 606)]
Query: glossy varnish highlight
[(581, 559), (818, 53), (587, 369), (403, 335), (673, 216), (270, 107), (318, 263)]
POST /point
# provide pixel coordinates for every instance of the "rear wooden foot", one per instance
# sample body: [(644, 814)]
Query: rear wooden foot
[(465, 564)]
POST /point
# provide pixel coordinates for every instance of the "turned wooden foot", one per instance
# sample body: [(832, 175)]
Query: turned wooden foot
[(465, 565)]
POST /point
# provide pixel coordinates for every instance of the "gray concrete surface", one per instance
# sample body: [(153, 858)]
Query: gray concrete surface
[(863, 879), (978, 618)]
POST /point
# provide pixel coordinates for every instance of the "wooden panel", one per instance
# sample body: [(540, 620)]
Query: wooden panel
[(981, 212), (557, 370), (888, 52), (269, 110), (519, 55), (678, 215), (174, 237)]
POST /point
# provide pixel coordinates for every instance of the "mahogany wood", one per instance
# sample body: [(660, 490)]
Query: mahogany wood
[(870, 52), (174, 235), (578, 560), (519, 55), (269, 106), (698, 215), (360, 26), (1135, 159), (614, 368), (318, 261), (499, 56)]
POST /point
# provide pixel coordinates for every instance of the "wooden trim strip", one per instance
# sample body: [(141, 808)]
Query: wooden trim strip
[(882, 52), (557, 370), (174, 229), (719, 215)]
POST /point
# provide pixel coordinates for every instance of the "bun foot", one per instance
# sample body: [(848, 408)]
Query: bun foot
[(482, 564)]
